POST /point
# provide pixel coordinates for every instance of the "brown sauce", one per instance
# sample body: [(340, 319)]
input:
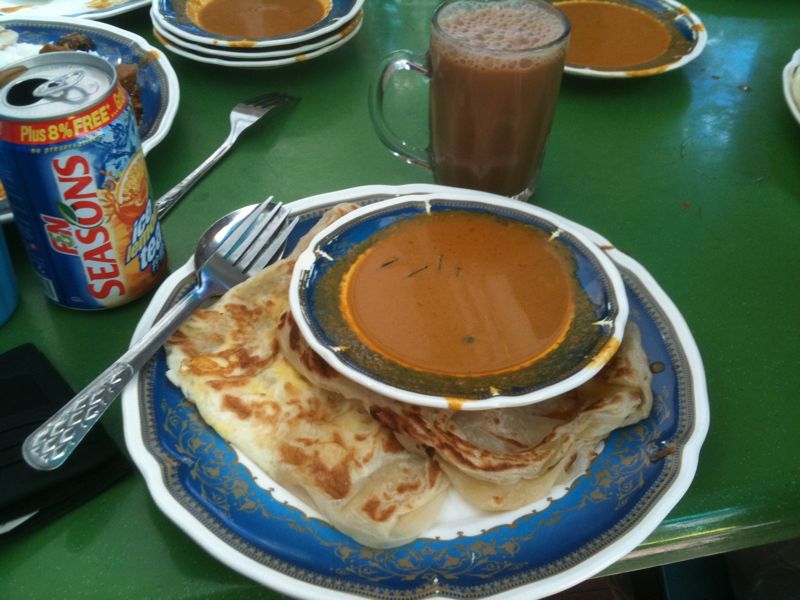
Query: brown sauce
[(609, 35), (460, 293), (258, 19)]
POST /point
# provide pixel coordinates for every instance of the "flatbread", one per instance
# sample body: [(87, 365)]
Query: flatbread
[(507, 458), (326, 449)]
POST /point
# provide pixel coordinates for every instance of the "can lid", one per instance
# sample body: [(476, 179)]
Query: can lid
[(55, 84)]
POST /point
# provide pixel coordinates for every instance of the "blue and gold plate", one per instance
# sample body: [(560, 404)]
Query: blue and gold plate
[(172, 16), (236, 513)]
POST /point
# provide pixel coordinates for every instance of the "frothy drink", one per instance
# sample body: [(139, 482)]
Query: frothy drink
[(495, 72)]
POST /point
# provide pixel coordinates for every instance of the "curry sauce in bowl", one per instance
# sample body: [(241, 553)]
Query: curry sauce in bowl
[(450, 302), (253, 23), (256, 19), (630, 38)]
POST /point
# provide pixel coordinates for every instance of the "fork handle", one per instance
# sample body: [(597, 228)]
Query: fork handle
[(171, 198), (51, 444)]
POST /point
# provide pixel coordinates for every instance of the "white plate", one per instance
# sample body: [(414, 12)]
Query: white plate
[(157, 78), (237, 514), (681, 22), (88, 9), (249, 63), (255, 53), (791, 85), (168, 15)]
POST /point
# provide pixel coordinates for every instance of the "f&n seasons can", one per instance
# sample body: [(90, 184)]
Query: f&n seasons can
[(74, 173)]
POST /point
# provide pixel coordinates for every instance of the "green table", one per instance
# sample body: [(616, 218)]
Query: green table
[(695, 173)]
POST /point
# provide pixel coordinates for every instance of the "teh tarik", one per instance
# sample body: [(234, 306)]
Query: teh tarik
[(495, 73)]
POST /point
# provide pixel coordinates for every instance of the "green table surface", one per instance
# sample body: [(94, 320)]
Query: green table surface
[(695, 173)]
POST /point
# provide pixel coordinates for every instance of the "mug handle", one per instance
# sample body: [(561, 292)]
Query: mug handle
[(399, 60)]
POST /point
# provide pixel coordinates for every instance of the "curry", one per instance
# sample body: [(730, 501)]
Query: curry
[(611, 35), (258, 19), (460, 293)]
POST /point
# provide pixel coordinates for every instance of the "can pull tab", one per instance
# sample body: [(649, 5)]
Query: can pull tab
[(65, 88)]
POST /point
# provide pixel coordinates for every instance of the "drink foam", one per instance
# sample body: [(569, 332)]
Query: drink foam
[(490, 35), (502, 26)]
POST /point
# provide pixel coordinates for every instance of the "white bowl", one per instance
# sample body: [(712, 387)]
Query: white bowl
[(589, 343)]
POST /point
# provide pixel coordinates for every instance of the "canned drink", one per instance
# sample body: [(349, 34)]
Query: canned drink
[(74, 172)]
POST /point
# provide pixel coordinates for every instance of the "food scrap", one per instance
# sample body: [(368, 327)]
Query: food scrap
[(12, 50)]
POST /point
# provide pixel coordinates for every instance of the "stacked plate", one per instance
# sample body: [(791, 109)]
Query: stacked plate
[(181, 35)]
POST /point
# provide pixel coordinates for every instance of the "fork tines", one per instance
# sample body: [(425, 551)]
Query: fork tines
[(235, 235), (258, 238), (265, 254), (271, 99)]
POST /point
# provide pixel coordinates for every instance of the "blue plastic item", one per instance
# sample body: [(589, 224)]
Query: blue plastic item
[(8, 283)]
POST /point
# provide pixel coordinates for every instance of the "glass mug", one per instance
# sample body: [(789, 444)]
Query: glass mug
[(495, 69)]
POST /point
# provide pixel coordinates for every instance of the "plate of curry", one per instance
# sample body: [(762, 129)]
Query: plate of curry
[(452, 302), (630, 38), (253, 23)]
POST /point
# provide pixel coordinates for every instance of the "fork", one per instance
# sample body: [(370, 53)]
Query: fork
[(242, 116), (247, 248)]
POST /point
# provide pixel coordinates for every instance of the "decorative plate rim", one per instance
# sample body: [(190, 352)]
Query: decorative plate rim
[(252, 63), (683, 12), (606, 269), (171, 92), (226, 52), (314, 31), (674, 488)]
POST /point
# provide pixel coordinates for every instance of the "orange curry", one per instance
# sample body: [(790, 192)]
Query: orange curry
[(610, 35), (257, 19), (461, 293)]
